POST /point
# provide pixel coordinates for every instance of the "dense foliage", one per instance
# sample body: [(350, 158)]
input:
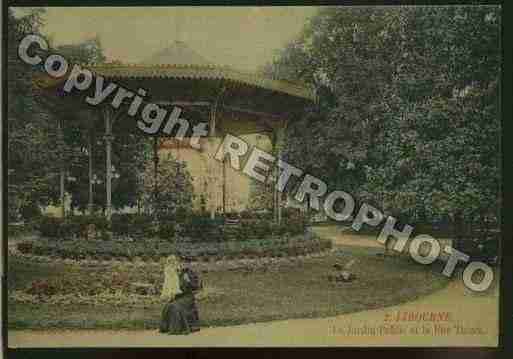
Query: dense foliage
[(48, 134), (33, 155), (407, 117)]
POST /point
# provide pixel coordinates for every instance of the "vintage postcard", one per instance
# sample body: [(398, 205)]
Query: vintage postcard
[(252, 176)]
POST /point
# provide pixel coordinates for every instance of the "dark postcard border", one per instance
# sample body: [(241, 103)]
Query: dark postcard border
[(266, 352), (245, 2), (506, 284)]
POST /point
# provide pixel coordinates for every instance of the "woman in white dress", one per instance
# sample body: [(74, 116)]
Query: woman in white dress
[(171, 286)]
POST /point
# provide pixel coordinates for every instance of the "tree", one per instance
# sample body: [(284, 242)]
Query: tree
[(32, 154), (260, 195), (349, 56), (174, 188), (440, 147), (87, 52), (407, 117)]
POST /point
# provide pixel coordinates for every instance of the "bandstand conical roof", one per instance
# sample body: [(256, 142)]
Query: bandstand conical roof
[(179, 54), (179, 62)]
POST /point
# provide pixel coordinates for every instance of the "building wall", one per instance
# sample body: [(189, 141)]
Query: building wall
[(207, 172)]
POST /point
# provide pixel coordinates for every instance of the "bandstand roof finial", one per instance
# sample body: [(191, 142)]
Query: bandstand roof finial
[(178, 18)]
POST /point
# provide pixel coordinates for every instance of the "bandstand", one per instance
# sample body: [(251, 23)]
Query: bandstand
[(242, 104)]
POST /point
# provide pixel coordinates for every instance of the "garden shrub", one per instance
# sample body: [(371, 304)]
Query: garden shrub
[(72, 227), (78, 226), (30, 211), (122, 224), (202, 228), (101, 223), (278, 229), (262, 228), (295, 223), (50, 226), (232, 232), (133, 225), (182, 214), (143, 225), (167, 229), (260, 224)]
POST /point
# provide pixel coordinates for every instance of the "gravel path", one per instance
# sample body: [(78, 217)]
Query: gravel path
[(465, 309)]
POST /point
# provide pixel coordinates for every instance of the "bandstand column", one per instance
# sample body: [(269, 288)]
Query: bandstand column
[(62, 173), (278, 139), (212, 162), (224, 185), (155, 176), (108, 151), (90, 170)]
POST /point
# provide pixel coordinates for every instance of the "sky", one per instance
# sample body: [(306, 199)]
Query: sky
[(241, 37)]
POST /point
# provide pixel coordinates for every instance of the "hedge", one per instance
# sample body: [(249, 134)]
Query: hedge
[(71, 227), (196, 228), (156, 249)]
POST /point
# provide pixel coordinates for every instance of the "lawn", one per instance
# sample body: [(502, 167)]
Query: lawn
[(296, 290)]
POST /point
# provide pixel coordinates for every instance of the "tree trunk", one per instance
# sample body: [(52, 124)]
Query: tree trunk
[(458, 226), (455, 224)]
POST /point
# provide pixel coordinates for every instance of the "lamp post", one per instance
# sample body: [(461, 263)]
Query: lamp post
[(90, 206), (97, 180), (70, 178), (155, 178), (114, 173), (94, 180)]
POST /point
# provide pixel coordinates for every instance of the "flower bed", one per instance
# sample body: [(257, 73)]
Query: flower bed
[(121, 299), (154, 250)]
